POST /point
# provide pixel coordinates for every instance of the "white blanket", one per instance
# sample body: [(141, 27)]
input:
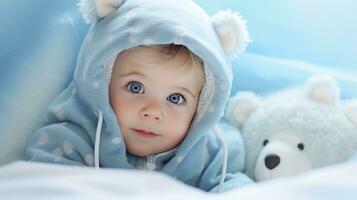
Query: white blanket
[(26, 180)]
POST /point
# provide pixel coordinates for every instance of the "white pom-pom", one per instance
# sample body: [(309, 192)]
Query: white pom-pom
[(94, 9), (323, 89), (232, 32), (87, 8), (240, 108)]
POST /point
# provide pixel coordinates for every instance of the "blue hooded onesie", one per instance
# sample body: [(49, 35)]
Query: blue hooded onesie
[(81, 127)]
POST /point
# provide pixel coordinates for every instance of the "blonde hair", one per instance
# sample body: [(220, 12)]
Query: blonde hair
[(171, 50)]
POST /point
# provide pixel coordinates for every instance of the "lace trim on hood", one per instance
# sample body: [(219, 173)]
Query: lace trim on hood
[(206, 95)]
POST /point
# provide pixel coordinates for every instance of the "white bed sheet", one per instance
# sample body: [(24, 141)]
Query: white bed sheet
[(27, 180)]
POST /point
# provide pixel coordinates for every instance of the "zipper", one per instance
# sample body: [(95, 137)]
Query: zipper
[(151, 160), (150, 163)]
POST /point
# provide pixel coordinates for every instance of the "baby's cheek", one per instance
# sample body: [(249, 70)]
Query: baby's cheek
[(178, 135), (184, 122), (120, 109)]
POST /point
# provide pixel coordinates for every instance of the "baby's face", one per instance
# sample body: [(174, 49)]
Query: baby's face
[(154, 99)]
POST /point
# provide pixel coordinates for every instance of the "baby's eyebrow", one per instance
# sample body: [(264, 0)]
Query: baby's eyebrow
[(188, 91), (132, 73)]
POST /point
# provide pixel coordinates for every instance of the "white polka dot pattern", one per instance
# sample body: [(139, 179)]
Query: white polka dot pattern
[(96, 85), (67, 147), (129, 14), (43, 138), (179, 159), (60, 114), (58, 152), (89, 159), (180, 31), (116, 140)]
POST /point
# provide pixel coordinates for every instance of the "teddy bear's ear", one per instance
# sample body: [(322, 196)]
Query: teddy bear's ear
[(232, 31), (350, 109), (322, 89), (240, 107), (93, 10)]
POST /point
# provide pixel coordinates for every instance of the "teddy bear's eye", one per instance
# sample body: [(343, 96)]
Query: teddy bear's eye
[(265, 142), (301, 146)]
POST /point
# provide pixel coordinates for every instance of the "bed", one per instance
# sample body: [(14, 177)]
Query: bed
[(28, 180)]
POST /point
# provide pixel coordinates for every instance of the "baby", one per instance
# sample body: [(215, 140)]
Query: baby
[(154, 92), (148, 93)]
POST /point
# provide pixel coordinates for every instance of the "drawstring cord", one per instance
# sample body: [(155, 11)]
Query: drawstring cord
[(97, 140), (215, 129), (220, 136)]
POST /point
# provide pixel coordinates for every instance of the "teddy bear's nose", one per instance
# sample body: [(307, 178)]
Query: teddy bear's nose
[(271, 161)]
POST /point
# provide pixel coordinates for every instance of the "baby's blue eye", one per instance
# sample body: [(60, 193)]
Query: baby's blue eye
[(135, 87), (176, 98)]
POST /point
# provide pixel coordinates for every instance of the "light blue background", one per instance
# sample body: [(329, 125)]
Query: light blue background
[(293, 39), (39, 41)]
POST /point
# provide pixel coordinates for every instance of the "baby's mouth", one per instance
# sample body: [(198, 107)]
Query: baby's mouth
[(145, 133)]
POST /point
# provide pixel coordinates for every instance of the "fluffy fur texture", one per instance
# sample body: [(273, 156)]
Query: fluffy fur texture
[(296, 129), (231, 29), (93, 10), (240, 108)]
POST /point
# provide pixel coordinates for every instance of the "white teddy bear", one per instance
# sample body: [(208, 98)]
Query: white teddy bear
[(296, 129)]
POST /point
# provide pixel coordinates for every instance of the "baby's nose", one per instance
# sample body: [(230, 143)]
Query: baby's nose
[(152, 111), (155, 116)]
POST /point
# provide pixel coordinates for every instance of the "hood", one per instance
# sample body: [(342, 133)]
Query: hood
[(131, 23)]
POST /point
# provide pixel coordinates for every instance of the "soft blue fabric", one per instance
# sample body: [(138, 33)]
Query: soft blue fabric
[(69, 133), (39, 43)]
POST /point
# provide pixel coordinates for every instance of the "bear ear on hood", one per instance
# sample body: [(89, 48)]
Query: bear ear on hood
[(350, 109), (232, 32), (92, 10), (322, 89), (240, 107)]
